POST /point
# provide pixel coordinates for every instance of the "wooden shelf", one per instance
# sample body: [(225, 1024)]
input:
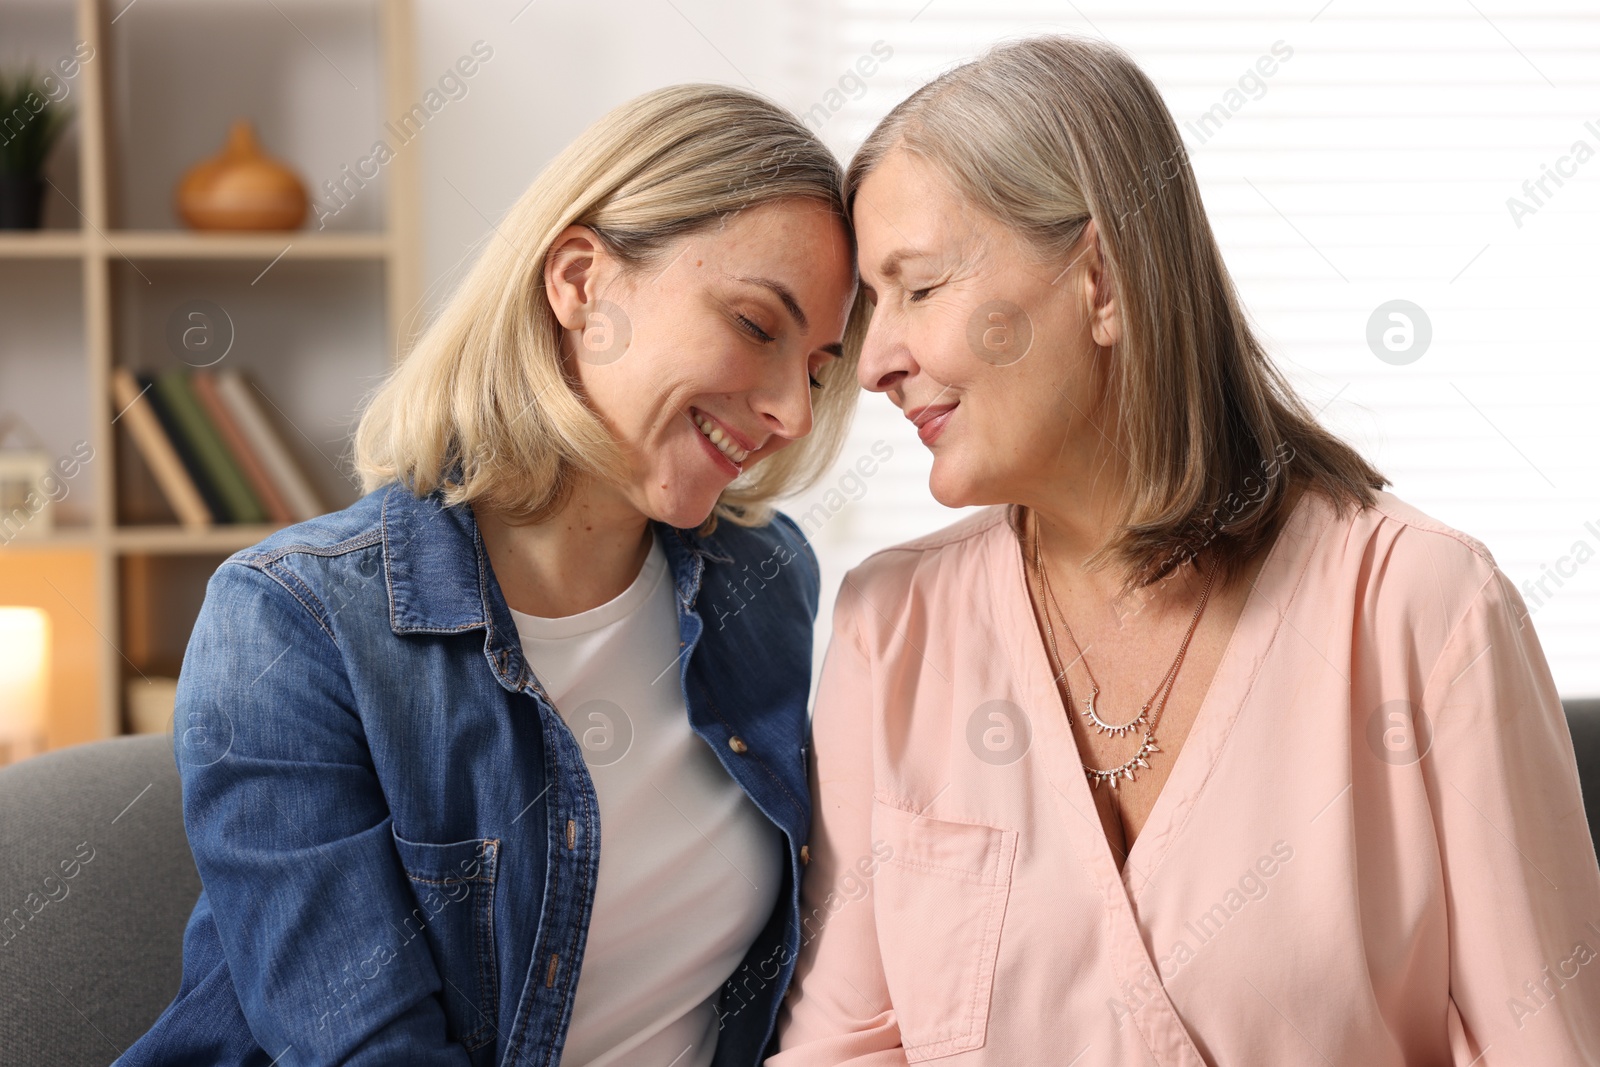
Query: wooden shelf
[(179, 540), (41, 244), (67, 539), (146, 540), (196, 246), (139, 594), (291, 244)]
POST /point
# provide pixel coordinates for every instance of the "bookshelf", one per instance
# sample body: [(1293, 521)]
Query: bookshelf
[(320, 315)]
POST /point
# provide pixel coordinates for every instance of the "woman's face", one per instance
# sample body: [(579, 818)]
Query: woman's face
[(703, 367), (991, 354)]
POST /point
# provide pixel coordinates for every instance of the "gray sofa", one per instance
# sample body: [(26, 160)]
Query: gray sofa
[(97, 883), (1583, 719)]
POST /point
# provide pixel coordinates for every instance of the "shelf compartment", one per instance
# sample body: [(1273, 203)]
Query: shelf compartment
[(307, 334), (317, 109), (45, 376), (159, 598)]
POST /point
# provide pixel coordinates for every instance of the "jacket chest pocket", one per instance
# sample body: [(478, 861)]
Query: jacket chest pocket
[(454, 888), (940, 900)]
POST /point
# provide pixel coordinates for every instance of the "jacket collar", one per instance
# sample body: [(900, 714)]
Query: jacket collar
[(438, 574)]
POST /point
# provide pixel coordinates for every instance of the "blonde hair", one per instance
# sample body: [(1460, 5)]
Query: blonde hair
[(1043, 135), (482, 409)]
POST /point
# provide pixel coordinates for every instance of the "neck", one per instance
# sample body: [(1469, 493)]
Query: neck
[(1100, 596), (1069, 536), (1075, 510), (586, 554)]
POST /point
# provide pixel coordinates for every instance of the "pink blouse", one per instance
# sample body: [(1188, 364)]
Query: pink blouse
[(1371, 849)]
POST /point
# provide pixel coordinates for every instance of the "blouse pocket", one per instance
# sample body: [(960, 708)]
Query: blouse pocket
[(940, 900), (454, 888)]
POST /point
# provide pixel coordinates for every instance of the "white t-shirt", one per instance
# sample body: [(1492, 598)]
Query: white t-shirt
[(689, 867)]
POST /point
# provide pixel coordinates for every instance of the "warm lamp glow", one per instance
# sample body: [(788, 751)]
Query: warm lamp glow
[(24, 681)]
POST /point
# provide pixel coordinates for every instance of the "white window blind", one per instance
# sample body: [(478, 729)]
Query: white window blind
[(1378, 162)]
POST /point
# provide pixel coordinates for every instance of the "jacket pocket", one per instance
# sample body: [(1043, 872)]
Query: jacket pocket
[(454, 888), (940, 901)]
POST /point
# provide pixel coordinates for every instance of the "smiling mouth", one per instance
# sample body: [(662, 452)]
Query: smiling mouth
[(724, 444), (930, 420)]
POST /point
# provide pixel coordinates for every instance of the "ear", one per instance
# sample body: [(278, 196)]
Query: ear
[(573, 272), (1100, 295)]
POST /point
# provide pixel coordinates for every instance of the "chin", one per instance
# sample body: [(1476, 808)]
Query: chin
[(685, 515), (678, 491), (953, 490), (957, 498), (963, 488), (686, 511)]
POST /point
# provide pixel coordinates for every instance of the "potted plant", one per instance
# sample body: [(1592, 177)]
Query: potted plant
[(30, 124)]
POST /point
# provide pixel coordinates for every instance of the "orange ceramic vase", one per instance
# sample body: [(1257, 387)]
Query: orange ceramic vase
[(241, 189)]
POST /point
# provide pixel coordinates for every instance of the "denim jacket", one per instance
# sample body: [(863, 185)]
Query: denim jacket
[(396, 833)]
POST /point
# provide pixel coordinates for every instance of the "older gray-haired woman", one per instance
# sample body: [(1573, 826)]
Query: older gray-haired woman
[(1194, 746)]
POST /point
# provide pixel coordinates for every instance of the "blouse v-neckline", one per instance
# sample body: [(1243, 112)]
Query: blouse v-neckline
[(1253, 634)]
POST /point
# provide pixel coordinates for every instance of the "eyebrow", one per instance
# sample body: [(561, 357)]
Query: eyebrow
[(891, 263), (783, 293)]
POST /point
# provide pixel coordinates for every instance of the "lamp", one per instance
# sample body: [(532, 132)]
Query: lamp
[(24, 681)]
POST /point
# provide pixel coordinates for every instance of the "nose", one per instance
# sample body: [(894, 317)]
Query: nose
[(885, 358), (785, 407)]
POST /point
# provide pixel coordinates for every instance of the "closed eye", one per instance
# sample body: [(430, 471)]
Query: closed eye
[(755, 331), (916, 296), (764, 337)]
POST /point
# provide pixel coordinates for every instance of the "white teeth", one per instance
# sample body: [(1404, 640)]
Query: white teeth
[(724, 443)]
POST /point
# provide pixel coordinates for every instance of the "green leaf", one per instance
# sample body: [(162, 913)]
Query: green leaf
[(30, 122)]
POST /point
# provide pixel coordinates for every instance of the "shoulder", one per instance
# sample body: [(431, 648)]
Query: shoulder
[(315, 567), (952, 547), (346, 530), (1407, 552), (1405, 575), (1428, 534), (948, 561)]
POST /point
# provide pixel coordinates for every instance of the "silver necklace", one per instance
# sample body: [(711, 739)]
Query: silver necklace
[(1147, 746)]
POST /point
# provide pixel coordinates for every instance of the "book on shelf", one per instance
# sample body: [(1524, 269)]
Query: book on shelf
[(171, 474), (215, 455), (216, 409), (167, 420), (240, 397), (196, 435)]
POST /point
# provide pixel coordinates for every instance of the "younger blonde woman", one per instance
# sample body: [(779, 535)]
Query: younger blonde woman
[(1194, 746), (472, 771)]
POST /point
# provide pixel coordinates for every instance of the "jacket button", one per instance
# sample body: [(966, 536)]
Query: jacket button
[(737, 744), (805, 855)]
